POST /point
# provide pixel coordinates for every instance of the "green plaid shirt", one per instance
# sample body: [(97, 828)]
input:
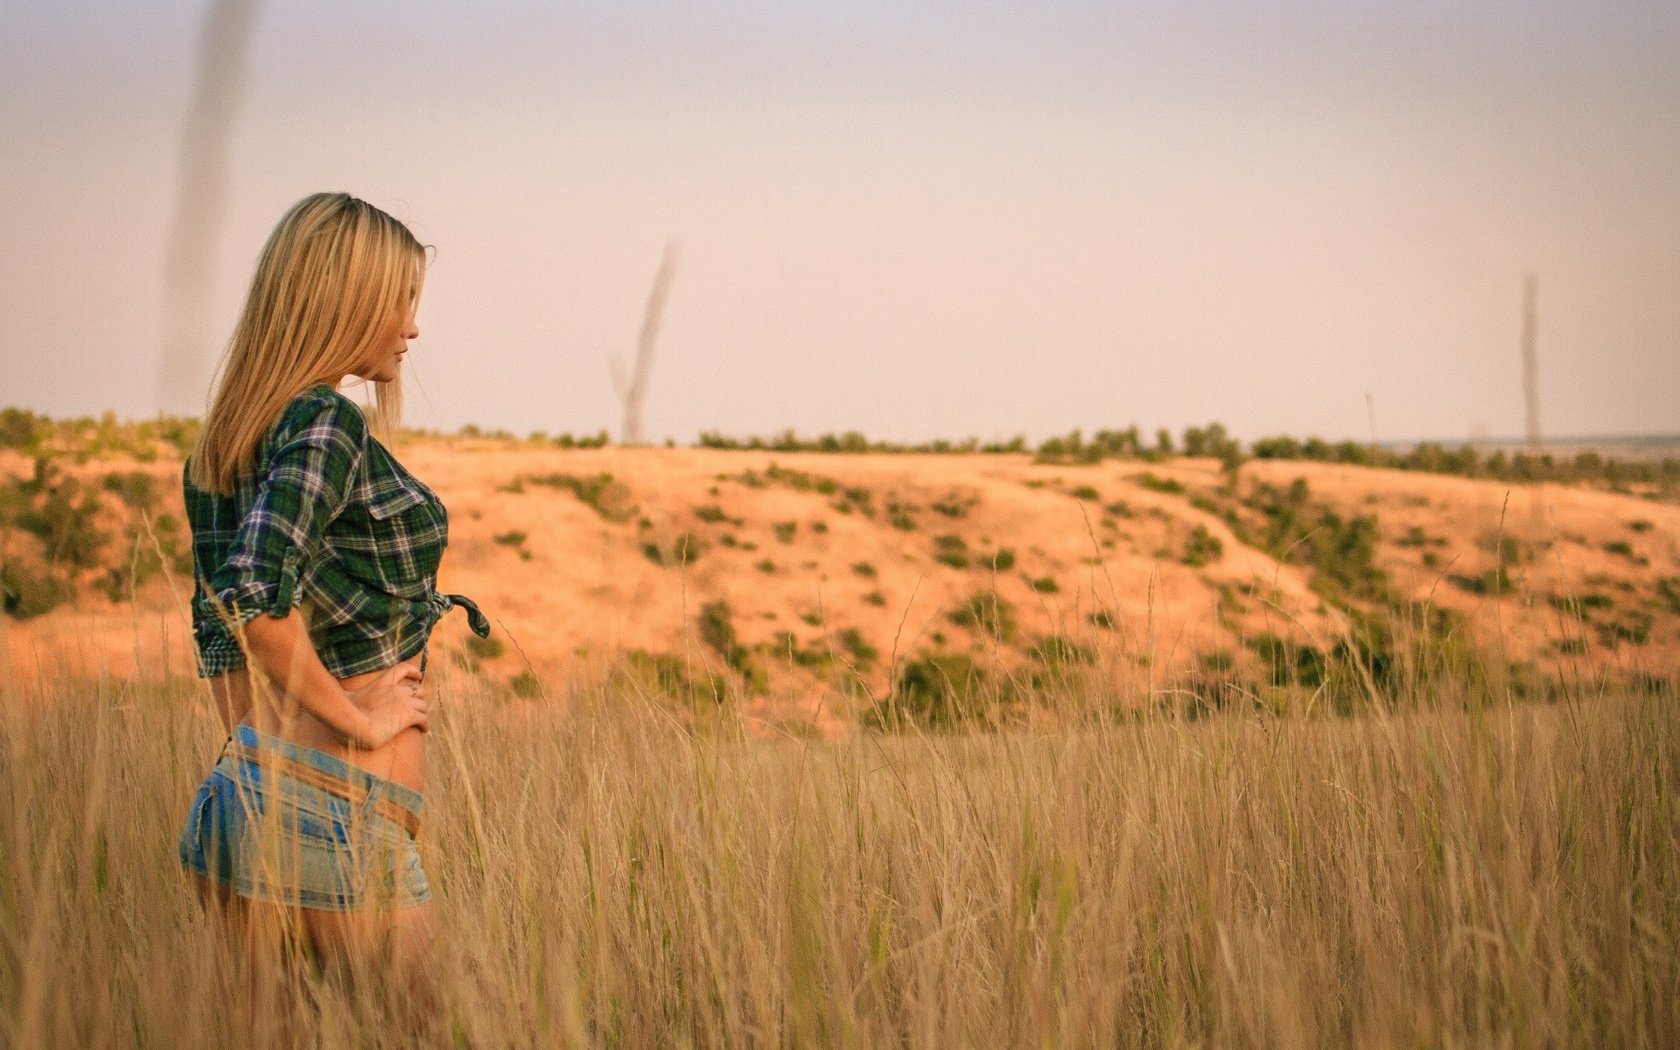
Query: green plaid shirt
[(330, 522)]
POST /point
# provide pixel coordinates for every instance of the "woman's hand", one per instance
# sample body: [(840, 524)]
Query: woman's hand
[(393, 702)]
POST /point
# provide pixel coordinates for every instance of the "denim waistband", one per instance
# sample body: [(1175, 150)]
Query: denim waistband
[(373, 783)]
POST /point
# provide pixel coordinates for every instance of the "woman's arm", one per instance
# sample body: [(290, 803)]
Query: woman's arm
[(281, 650), (307, 479)]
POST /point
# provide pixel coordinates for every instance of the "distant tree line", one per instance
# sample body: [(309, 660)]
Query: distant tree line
[(84, 438), (1467, 461), (854, 442), (1215, 442)]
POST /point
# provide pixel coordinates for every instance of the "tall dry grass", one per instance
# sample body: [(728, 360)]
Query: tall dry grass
[(1475, 873)]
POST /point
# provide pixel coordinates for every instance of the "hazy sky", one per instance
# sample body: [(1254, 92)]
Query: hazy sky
[(913, 219)]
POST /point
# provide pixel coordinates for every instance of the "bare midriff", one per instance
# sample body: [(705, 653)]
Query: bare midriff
[(402, 760)]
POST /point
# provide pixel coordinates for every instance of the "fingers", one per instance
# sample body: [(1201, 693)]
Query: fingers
[(420, 708), (405, 673)]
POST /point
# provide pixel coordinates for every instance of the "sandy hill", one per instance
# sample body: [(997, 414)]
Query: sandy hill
[(785, 570)]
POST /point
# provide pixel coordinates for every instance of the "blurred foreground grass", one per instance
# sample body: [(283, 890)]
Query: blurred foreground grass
[(1472, 873)]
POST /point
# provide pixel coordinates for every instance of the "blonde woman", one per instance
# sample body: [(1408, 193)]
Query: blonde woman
[(315, 556)]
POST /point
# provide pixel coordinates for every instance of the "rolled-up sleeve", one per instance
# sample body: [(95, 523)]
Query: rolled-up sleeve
[(308, 479)]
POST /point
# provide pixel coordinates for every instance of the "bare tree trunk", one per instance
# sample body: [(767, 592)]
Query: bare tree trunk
[(633, 391), (1530, 366), (201, 193), (1531, 397)]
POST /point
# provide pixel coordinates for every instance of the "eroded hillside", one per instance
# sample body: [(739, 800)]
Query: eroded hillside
[(804, 583)]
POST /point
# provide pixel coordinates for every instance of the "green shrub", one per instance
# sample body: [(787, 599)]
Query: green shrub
[(1398, 654), (47, 507), (785, 530), (1492, 582), (1059, 651), (22, 430), (667, 675), (1202, 548), (525, 685), (784, 645), (25, 594), (862, 653), (1085, 492), (683, 550), (1508, 550), (1044, 585), (856, 498), (136, 488), (1155, 483), (1217, 661), (1640, 526), (988, 613), (953, 506), (1074, 449), (864, 569), (899, 515), (1573, 604), (1102, 618), (1341, 551), (512, 538), (603, 494), (712, 514), (875, 598), (765, 566), (1634, 627), (1000, 560), (122, 581), (599, 440), (952, 550), (798, 480), (1415, 537), (1289, 662), (180, 433), (717, 631), (717, 627), (1668, 589), (940, 691)]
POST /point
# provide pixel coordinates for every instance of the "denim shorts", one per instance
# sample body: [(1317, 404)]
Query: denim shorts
[(272, 837)]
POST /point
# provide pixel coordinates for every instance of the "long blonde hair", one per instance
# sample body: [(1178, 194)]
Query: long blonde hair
[(330, 282)]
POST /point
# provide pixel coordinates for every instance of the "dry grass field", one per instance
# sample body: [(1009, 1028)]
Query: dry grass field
[(1451, 870)]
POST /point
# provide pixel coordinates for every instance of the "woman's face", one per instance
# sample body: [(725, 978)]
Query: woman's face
[(393, 344)]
